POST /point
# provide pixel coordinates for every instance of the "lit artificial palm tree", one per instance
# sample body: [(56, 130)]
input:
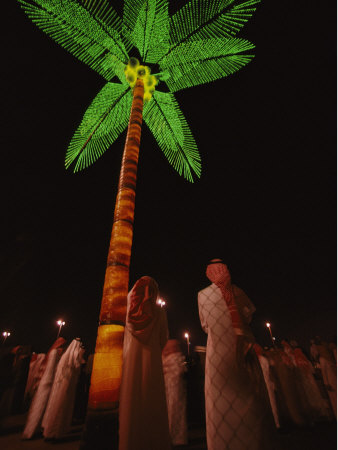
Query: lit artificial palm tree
[(194, 46)]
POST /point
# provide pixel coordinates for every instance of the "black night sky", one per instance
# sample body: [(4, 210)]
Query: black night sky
[(266, 200)]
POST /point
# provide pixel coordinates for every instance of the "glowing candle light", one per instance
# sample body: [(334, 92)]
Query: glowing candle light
[(268, 325), (5, 335), (161, 302), (60, 323), (186, 335)]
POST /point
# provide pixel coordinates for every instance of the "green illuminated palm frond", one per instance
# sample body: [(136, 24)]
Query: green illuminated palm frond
[(151, 31), (131, 10), (90, 32), (105, 119), (195, 46), (200, 19), (203, 61), (172, 133)]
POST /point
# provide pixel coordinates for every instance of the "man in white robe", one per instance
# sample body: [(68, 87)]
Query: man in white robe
[(40, 399), (59, 412), (264, 362), (174, 368), (318, 407), (33, 374), (321, 353), (238, 413), (143, 413)]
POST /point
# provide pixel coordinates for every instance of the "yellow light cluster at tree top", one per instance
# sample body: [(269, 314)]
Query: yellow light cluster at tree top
[(134, 70)]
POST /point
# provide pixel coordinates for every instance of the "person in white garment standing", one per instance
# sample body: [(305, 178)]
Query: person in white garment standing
[(174, 368), (33, 375), (40, 399), (322, 354), (143, 413), (59, 412), (238, 413), (270, 385)]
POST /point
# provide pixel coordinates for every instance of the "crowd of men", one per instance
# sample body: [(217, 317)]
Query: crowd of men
[(248, 392)]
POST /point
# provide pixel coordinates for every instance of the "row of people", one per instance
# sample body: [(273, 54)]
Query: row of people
[(295, 394), (52, 404), (149, 397), (43, 384), (241, 407)]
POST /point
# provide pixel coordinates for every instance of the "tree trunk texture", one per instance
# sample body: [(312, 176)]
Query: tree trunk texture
[(101, 427)]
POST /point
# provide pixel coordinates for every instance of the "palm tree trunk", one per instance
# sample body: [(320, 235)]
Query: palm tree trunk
[(101, 428)]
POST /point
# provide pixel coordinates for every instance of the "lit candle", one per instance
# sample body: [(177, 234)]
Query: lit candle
[(186, 335), (60, 323), (268, 325), (161, 302), (5, 335)]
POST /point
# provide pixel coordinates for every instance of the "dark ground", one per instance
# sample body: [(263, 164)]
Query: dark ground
[(321, 436)]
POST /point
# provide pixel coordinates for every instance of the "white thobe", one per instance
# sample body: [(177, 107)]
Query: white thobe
[(143, 414), (235, 417), (59, 412), (264, 362), (32, 379), (40, 399), (176, 394)]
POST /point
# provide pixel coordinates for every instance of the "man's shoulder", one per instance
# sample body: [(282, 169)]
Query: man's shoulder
[(208, 290)]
